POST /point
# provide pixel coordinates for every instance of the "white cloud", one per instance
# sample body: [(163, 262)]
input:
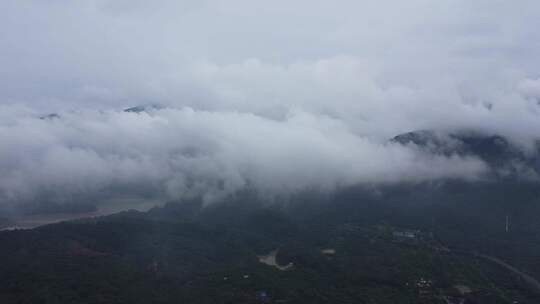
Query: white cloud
[(282, 94), (184, 152)]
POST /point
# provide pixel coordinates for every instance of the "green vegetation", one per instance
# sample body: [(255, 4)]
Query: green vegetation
[(415, 244)]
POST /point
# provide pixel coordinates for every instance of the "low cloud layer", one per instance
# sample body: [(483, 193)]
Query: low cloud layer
[(279, 96), (183, 152)]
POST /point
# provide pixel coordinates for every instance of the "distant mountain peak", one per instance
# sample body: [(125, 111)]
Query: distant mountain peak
[(144, 108), (50, 116), (495, 150)]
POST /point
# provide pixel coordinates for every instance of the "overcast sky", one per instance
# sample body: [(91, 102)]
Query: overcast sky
[(282, 95)]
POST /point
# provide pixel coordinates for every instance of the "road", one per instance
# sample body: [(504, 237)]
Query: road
[(535, 284)]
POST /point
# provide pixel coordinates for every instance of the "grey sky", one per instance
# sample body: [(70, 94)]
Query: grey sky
[(279, 94)]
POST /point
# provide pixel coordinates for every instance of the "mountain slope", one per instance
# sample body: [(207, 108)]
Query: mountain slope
[(505, 158)]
